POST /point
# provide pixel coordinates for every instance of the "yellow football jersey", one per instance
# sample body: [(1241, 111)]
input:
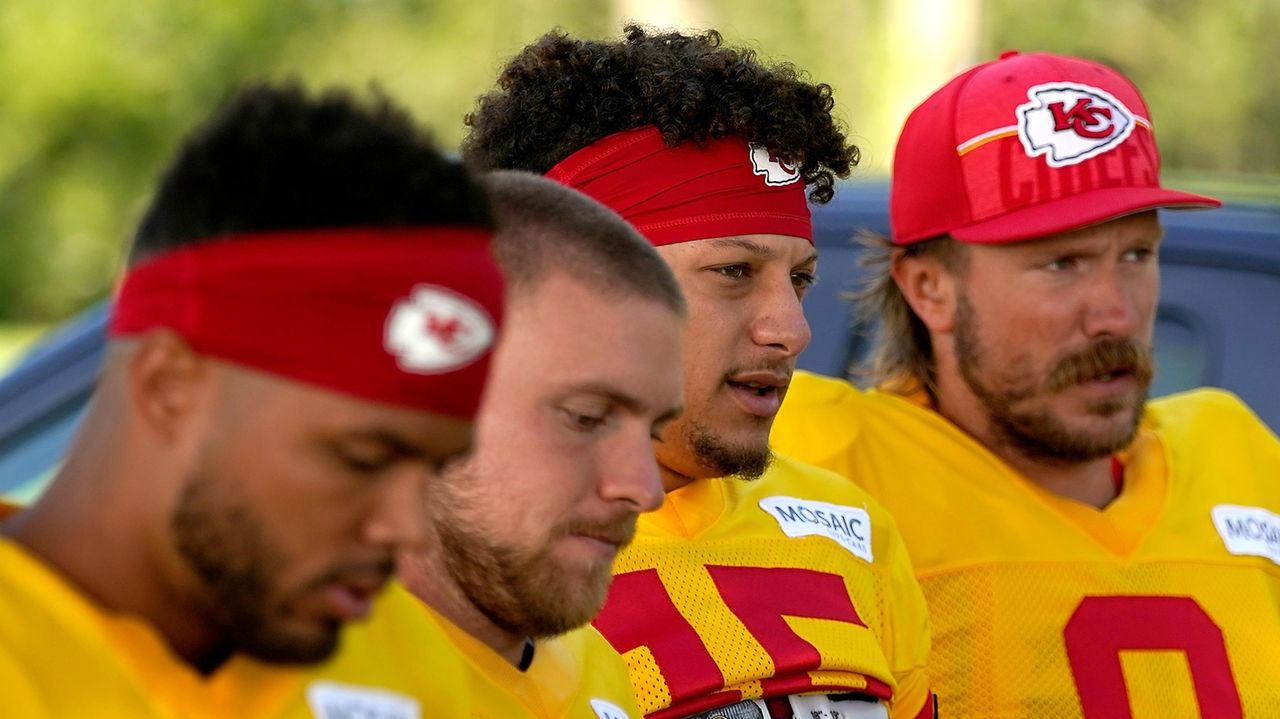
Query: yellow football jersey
[(793, 584), (573, 676), (63, 656), (1164, 604)]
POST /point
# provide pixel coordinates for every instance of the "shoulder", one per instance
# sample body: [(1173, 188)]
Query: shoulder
[(820, 416), (816, 398), (1207, 411)]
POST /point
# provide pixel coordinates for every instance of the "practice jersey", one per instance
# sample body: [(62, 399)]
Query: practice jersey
[(1166, 603), (793, 584), (574, 676), (63, 656)]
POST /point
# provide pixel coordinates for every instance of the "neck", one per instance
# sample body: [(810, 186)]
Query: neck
[(1089, 482), (90, 504), (423, 572)]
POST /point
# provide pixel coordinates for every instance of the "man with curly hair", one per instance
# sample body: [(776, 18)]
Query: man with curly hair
[(785, 595)]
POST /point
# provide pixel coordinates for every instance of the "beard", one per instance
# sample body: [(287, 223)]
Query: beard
[(225, 544), (526, 593), (744, 461), (1033, 428)]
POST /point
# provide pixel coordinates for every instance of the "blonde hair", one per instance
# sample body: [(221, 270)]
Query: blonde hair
[(901, 358)]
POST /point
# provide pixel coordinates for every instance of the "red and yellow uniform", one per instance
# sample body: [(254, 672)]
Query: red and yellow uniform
[(1163, 604), (793, 584), (63, 656)]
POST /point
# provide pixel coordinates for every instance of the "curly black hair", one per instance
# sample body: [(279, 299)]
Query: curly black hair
[(277, 158), (559, 95)]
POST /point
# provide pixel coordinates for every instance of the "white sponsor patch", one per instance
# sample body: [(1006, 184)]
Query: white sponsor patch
[(850, 527), (820, 706), (608, 710), (1251, 531), (331, 700), (774, 171), (1069, 123), (437, 330)]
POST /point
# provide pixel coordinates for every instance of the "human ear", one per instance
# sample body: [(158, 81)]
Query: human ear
[(166, 378), (928, 286)]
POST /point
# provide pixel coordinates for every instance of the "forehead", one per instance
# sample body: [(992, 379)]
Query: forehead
[(793, 250), (252, 398), (576, 319)]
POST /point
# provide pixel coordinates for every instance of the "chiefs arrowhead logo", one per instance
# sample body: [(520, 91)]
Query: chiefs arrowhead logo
[(775, 171), (1069, 123), (436, 330)]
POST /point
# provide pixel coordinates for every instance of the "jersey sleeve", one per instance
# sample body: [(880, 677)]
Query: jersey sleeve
[(819, 422)]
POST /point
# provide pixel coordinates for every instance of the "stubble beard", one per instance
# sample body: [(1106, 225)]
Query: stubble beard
[(225, 546), (726, 459), (1037, 432), (523, 593)]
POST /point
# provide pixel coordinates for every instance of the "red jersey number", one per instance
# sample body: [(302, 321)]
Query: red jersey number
[(1103, 626), (639, 613)]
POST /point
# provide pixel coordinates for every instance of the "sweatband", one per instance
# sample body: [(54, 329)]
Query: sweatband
[(405, 316), (724, 188)]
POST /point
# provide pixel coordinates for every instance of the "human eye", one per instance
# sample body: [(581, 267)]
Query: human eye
[(365, 460), (1139, 254), (735, 271), (1061, 264), (585, 416), (803, 279)]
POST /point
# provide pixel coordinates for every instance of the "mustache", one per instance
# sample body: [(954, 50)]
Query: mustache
[(783, 368), (1111, 356), (619, 530)]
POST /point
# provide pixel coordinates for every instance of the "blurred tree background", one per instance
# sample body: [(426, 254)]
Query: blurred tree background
[(97, 94)]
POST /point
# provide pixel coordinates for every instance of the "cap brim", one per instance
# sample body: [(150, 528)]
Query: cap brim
[(1077, 211)]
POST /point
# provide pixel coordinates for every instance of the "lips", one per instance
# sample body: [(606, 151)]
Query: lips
[(759, 393), (350, 597), (347, 602)]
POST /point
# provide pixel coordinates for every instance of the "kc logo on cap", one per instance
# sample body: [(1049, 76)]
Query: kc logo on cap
[(1025, 147), (435, 330), (1069, 123)]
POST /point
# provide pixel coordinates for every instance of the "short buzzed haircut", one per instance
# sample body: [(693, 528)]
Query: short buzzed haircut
[(278, 158), (545, 227)]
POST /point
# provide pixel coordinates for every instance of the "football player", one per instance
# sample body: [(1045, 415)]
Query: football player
[(1084, 552), (760, 587), (299, 343)]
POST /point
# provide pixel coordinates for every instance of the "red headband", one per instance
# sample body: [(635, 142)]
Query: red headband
[(678, 194), (405, 316)]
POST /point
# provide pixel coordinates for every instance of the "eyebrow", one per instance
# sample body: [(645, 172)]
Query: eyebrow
[(755, 248)]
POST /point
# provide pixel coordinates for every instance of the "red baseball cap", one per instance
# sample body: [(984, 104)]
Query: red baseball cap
[(1027, 146)]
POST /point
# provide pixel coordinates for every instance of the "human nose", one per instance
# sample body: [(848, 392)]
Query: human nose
[(780, 321), (631, 474), (1112, 308), (398, 518)]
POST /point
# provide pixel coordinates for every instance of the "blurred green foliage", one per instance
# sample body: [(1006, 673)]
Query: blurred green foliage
[(97, 94)]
